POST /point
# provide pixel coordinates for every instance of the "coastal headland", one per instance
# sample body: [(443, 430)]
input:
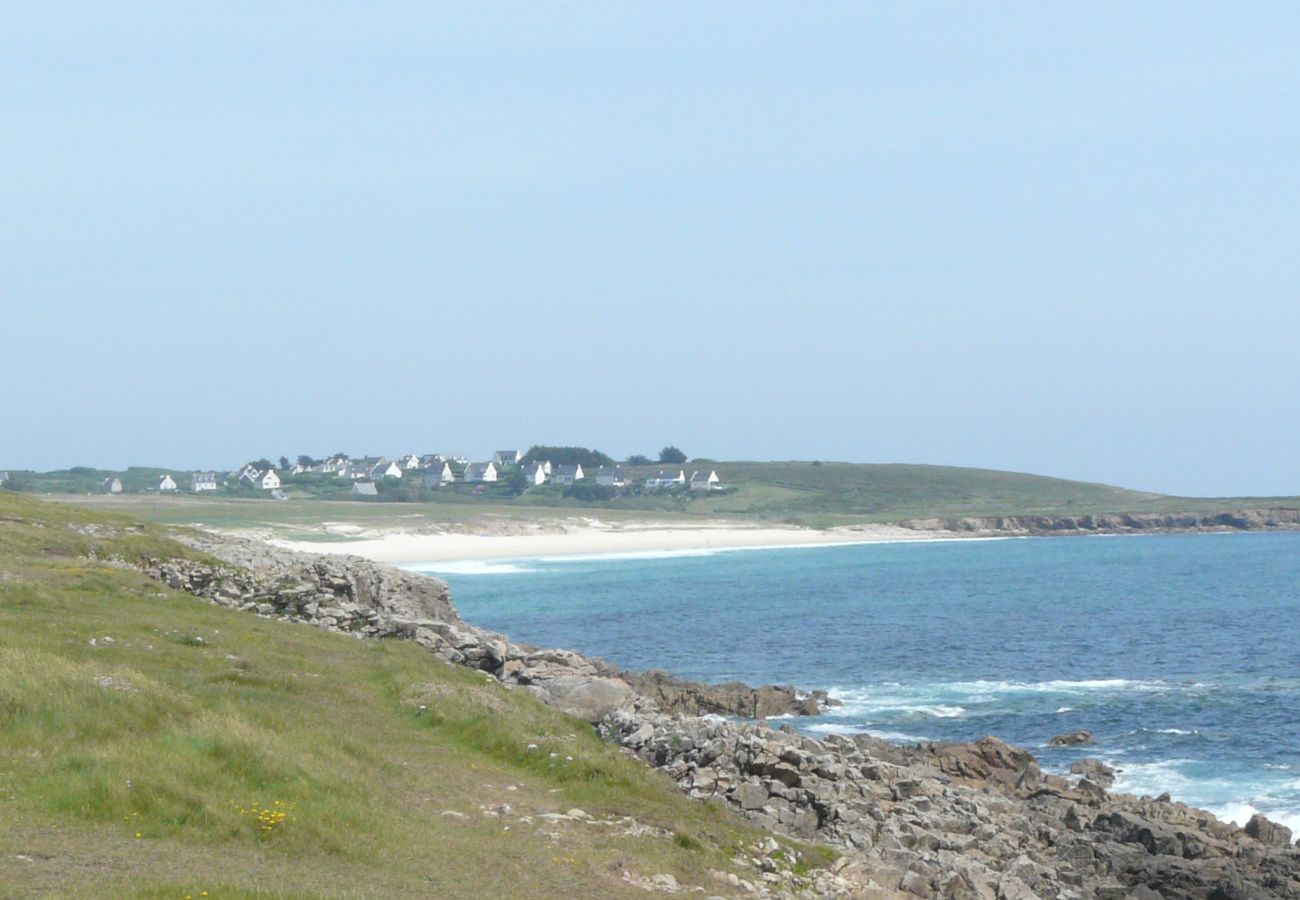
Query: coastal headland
[(975, 819)]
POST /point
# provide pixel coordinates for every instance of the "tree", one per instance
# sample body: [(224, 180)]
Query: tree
[(304, 460), (671, 454), (565, 456), (261, 464), (638, 459), (284, 463)]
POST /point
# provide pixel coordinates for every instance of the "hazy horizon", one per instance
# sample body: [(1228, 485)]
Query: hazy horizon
[(1030, 239)]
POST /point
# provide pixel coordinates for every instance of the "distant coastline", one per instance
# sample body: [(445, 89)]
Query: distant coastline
[(507, 539)]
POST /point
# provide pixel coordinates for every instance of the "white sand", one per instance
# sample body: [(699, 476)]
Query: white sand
[(594, 538)]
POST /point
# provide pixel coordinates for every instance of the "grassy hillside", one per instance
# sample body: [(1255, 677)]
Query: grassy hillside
[(153, 745), (804, 493)]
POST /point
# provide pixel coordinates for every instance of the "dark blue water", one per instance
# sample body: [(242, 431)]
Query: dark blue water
[(1180, 653)]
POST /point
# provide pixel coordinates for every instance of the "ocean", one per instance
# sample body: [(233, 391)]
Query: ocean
[(1179, 653)]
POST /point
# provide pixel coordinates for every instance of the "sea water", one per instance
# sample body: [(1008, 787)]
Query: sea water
[(1179, 653)]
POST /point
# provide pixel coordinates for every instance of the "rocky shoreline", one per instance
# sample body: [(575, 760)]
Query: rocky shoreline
[(1275, 519), (976, 820)]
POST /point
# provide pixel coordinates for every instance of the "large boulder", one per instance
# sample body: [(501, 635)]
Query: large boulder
[(588, 697), (1072, 739), (1261, 829), (1094, 770)]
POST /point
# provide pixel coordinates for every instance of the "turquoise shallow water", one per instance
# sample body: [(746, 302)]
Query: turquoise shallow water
[(1180, 653)]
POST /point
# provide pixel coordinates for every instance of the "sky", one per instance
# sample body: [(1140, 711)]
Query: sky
[(1021, 236)]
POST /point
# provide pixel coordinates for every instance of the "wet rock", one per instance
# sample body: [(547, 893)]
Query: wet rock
[(1072, 739)]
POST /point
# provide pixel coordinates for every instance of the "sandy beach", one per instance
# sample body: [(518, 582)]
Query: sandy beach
[(583, 539)]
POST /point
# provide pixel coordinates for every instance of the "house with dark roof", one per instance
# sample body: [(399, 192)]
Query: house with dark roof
[(364, 489), (665, 480), (507, 457), (385, 469), (610, 476), (111, 486), (536, 474), (166, 483), (439, 475), (265, 481), (704, 481), (480, 472), (567, 474)]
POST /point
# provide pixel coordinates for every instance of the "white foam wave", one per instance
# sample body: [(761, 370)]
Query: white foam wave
[(939, 712), (471, 567), (884, 735), (1239, 812), (1057, 686), (1065, 709)]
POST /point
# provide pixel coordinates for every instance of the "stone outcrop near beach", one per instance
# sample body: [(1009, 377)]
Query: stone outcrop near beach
[(961, 820), (355, 596), (977, 820), (1116, 523)]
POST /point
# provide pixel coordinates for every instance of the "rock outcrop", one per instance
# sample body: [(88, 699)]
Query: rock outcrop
[(961, 820), (355, 596)]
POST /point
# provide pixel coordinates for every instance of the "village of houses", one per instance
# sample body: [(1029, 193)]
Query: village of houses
[(434, 471)]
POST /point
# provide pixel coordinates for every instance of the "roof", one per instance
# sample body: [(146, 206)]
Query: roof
[(508, 454), (616, 471), (365, 487), (477, 469), (702, 475), (571, 471)]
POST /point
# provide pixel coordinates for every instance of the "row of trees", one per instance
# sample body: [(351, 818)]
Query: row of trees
[(582, 456)]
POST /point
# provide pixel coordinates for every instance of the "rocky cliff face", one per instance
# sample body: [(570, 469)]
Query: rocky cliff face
[(355, 596), (976, 820), (1119, 523)]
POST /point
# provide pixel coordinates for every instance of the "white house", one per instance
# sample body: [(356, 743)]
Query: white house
[(437, 477), (704, 481), (166, 483), (666, 480), (385, 470), (507, 457), (246, 472), (567, 474), (4, 476), (266, 481), (535, 474), (364, 489), (111, 486), (334, 464), (610, 476), (203, 481), (479, 472), (410, 461)]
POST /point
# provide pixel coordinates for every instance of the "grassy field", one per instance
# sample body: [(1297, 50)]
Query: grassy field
[(153, 745), (796, 493)]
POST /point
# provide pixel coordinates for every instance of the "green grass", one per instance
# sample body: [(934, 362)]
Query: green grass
[(796, 493), (133, 767)]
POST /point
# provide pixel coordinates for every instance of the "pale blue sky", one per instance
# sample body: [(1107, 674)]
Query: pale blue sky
[(1010, 236)]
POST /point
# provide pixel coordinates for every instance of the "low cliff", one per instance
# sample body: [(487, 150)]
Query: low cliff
[(1114, 523)]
